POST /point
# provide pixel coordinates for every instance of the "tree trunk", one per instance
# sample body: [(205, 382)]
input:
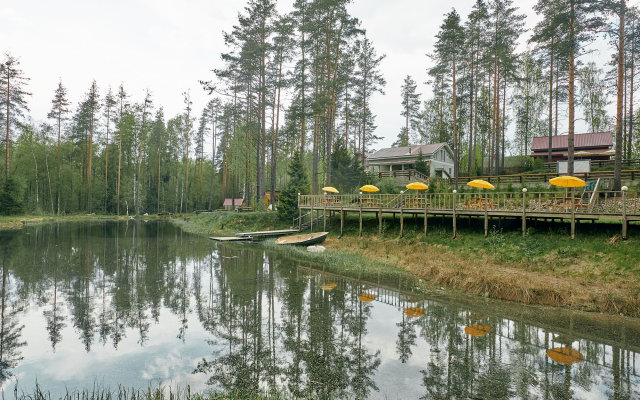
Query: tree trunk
[(617, 178), (633, 51), (274, 144), (58, 158), (119, 159), (8, 118), (550, 150), (455, 125), (90, 158), (572, 70)]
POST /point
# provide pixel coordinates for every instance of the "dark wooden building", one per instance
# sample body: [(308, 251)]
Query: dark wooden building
[(593, 146)]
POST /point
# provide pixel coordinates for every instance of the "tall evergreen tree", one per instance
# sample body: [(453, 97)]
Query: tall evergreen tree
[(59, 110), (410, 109), (13, 99)]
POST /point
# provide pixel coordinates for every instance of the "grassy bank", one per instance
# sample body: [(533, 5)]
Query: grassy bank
[(21, 221), (595, 272)]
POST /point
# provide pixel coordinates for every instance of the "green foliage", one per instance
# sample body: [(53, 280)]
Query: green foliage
[(421, 165), (389, 186), (347, 172), (298, 183), (10, 198)]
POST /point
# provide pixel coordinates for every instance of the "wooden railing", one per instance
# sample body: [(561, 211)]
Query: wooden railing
[(408, 173), (631, 174), (605, 203), (632, 163)]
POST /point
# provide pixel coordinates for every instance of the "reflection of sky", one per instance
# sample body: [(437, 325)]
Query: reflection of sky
[(166, 359), (394, 379), (163, 358)]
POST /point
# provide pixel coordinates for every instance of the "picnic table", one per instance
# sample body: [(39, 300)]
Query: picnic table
[(415, 203), (560, 203), (480, 203)]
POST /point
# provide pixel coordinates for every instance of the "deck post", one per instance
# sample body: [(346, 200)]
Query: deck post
[(311, 214), (624, 212), (324, 217), (360, 233), (401, 214), (524, 211), (454, 213), (341, 220), (299, 214), (380, 220), (425, 214)]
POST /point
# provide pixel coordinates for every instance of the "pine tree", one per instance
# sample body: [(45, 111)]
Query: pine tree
[(370, 81), (447, 53), (13, 99), (410, 109), (93, 105), (298, 183), (59, 110)]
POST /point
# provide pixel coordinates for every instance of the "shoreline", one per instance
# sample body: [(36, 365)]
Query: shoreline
[(560, 278), (471, 265)]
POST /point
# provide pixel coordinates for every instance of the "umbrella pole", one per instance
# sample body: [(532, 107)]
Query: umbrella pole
[(425, 214), (486, 217), (573, 216)]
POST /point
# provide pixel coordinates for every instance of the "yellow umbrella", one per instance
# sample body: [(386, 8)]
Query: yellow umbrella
[(329, 286), (567, 181), (477, 330), (417, 186), (415, 311), (330, 189), (367, 297), (369, 188), (479, 183), (565, 355)]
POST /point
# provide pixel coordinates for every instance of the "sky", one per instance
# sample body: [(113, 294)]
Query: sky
[(168, 46)]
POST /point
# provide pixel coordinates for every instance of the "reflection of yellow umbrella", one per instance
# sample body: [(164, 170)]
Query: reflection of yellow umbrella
[(417, 186), (479, 183), (567, 181), (415, 311), (367, 297), (329, 286), (565, 355), (477, 330), (330, 189), (369, 188)]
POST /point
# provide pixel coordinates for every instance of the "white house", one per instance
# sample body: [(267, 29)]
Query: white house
[(438, 157)]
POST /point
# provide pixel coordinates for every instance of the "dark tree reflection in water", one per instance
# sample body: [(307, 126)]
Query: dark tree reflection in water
[(136, 302)]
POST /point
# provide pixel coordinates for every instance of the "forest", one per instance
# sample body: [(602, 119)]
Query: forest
[(494, 86)]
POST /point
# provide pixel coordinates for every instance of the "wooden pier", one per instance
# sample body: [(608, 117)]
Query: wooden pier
[(622, 206)]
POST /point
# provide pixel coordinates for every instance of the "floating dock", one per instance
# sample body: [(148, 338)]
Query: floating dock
[(230, 238)]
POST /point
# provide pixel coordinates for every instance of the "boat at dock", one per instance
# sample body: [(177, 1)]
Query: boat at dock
[(306, 239)]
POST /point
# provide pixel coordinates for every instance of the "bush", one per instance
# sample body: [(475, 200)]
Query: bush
[(10, 198)]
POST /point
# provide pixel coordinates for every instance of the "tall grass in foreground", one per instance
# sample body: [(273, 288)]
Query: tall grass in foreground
[(123, 393)]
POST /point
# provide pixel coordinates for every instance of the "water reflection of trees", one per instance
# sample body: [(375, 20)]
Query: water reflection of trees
[(272, 326)]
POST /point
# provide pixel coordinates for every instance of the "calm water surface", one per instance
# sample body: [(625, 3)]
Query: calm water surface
[(139, 304)]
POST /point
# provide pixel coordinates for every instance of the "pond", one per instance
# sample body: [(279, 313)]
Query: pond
[(140, 304)]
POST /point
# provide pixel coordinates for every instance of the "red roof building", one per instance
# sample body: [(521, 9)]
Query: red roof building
[(594, 146)]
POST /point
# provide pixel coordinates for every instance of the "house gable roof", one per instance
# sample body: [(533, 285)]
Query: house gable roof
[(407, 151), (581, 140)]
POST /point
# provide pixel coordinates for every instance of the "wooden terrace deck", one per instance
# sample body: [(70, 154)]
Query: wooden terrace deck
[(617, 206)]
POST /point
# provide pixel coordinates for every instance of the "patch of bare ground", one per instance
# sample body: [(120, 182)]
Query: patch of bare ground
[(574, 282)]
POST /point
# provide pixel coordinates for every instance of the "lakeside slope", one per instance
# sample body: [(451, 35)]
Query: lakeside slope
[(596, 272)]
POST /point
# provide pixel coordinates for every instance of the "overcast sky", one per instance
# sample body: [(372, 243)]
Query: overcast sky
[(167, 46)]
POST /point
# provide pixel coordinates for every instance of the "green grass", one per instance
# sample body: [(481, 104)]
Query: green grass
[(228, 223)]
